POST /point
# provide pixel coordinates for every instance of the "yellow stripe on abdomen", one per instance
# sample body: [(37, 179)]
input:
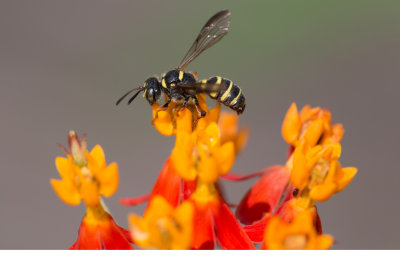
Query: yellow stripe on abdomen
[(236, 98), (226, 93)]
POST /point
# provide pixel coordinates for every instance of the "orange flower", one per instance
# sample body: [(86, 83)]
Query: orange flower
[(310, 126), (84, 176), (298, 235), (162, 226), (317, 172)]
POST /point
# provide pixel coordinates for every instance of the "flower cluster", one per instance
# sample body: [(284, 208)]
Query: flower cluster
[(186, 208)]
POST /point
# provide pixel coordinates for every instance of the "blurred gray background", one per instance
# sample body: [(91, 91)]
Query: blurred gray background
[(63, 64)]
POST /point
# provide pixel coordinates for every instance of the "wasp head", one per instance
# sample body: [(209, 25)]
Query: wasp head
[(152, 90)]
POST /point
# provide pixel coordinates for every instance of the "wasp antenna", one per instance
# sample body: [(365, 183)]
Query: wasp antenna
[(134, 96), (127, 93)]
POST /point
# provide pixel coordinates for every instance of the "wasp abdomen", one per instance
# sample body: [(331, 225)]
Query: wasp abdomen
[(227, 93)]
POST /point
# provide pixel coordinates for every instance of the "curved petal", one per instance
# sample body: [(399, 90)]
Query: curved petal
[(66, 191), (291, 125), (347, 175), (230, 234), (188, 188), (65, 169), (163, 123), (225, 156), (181, 156), (313, 132), (98, 155), (168, 184), (300, 173), (207, 168), (134, 200), (256, 230), (263, 196), (322, 192), (240, 177), (203, 228), (109, 179)]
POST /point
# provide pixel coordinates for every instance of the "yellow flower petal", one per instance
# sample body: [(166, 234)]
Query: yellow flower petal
[(347, 175), (225, 157), (313, 132), (291, 125), (208, 168), (67, 192), (163, 123), (65, 168), (322, 192), (299, 174), (324, 242), (210, 136), (181, 156), (98, 155), (332, 152), (184, 216), (109, 180), (184, 121)]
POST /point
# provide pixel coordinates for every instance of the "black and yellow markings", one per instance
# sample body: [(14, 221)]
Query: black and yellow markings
[(180, 76), (163, 84), (226, 93), (236, 98)]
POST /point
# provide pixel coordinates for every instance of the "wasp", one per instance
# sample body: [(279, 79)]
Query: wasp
[(181, 87)]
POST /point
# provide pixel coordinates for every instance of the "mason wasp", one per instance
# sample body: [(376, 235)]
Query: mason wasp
[(181, 87)]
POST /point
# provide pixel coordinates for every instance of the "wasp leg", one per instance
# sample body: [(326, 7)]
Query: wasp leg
[(199, 110), (162, 108)]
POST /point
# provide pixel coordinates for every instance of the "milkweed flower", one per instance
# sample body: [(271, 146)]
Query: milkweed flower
[(311, 173), (85, 176), (300, 234), (163, 226), (311, 126), (316, 171)]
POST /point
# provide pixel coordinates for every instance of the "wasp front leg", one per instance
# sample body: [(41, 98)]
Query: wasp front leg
[(201, 113)]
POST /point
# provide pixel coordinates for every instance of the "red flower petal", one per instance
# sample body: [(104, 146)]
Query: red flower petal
[(103, 235), (203, 227), (263, 196), (134, 200), (168, 184), (256, 230), (230, 234), (239, 177), (188, 189)]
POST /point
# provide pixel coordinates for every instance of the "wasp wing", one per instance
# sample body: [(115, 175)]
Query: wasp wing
[(200, 87), (212, 32)]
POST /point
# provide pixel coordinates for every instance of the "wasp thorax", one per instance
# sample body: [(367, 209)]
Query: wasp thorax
[(152, 90), (173, 77)]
